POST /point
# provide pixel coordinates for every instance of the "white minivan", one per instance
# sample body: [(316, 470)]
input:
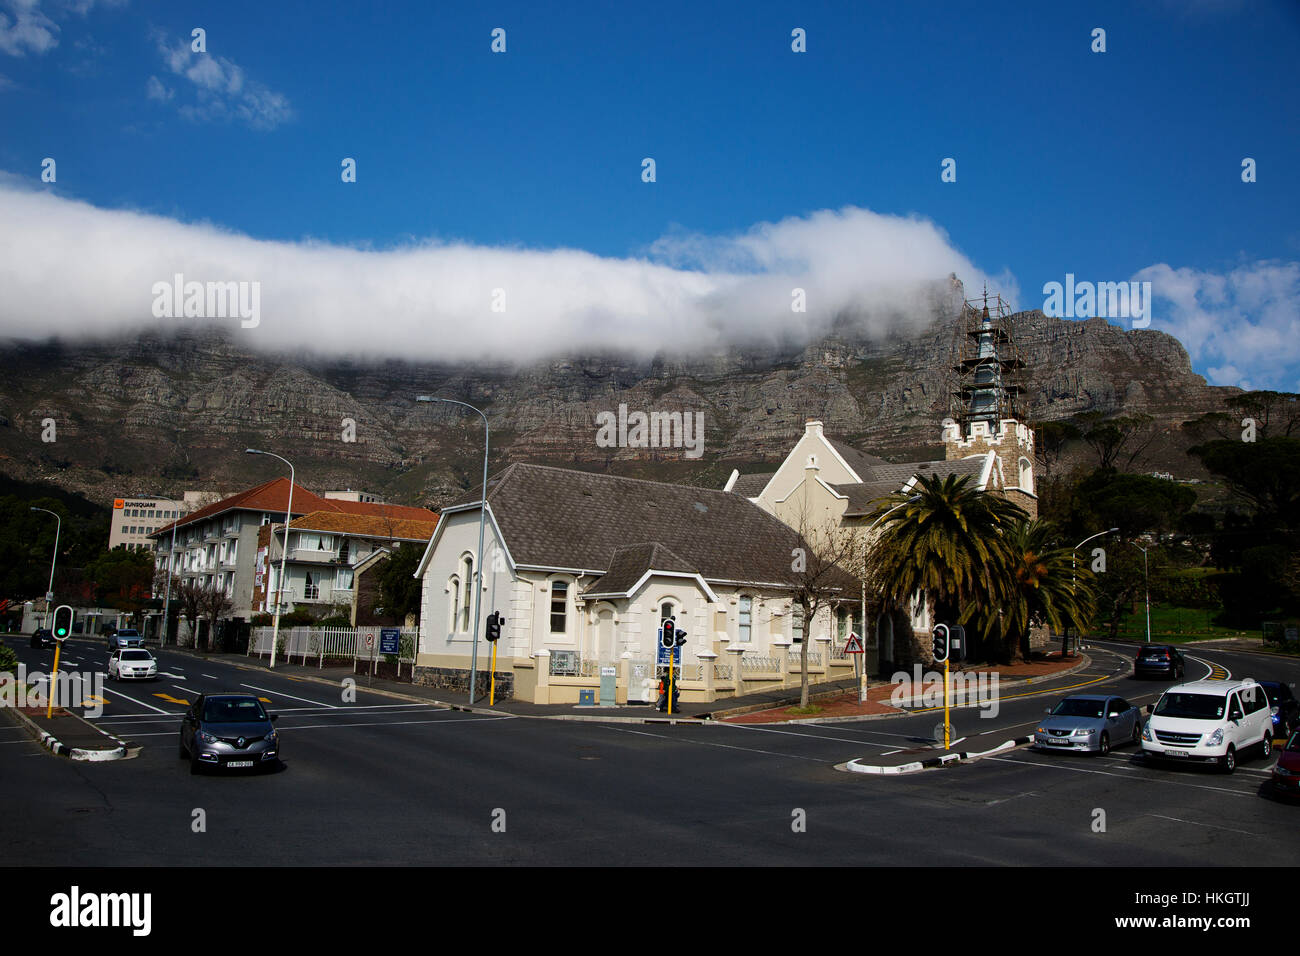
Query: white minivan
[(1209, 720)]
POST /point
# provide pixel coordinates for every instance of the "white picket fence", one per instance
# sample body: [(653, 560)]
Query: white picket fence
[(316, 645)]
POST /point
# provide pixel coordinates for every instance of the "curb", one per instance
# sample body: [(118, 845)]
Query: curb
[(60, 749), (855, 766)]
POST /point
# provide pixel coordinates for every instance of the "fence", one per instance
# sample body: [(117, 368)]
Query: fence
[(319, 644)]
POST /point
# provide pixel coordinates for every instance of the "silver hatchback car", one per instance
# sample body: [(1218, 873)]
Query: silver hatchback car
[(229, 731), (1089, 722)]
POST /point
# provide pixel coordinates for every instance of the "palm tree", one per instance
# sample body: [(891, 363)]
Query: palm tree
[(1045, 587), (950, 544)]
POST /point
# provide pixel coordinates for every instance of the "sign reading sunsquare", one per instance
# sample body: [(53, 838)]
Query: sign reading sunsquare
[(390, 640)]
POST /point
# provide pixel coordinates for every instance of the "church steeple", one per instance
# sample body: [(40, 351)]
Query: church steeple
[(987, 368)]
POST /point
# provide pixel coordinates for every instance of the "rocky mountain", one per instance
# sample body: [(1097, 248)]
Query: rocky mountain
[(165, 412)]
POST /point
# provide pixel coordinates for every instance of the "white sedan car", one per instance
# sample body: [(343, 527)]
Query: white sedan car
[(132, 663)]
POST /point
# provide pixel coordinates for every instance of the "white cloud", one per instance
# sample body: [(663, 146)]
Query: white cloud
[(24, 28), (71, 269), (155, 90), (1242, 322), (222, 91)]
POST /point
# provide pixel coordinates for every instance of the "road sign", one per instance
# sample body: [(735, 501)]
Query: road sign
[(370, 640), (662, 658), (390, 640), (854, 646)]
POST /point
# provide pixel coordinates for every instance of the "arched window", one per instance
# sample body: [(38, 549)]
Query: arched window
[(466, 598), (1026, 475), (453, 587)]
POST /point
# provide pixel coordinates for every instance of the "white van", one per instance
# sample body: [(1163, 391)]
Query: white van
[(1209, 720)]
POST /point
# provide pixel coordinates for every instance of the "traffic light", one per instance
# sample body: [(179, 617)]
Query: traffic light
[(940, 645), (62, 622), (494, 626), (957, 649), (667, 634)]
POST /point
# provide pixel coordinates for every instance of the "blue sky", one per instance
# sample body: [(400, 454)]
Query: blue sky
[(1107, 165)]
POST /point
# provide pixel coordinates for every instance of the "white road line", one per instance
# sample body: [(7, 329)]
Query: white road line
[(290, 696), (1106, 773), (705, 743), (210, 676), (149, 718), (1212, 826), (795, 733), (399, 723), (118, 693)]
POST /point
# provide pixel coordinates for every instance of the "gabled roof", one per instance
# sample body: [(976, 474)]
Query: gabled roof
[(751, 486), (631, 563), (369, 526), (273, 496), (859, 461), (559, 518)]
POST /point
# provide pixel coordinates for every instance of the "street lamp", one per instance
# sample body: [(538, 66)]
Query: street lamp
[(49, 594), (478, 565), (1073, 587), (862, 680), (284, 552), (1146, 583), (167, 599)]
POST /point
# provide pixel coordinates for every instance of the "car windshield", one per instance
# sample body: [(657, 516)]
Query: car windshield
[(233, 710), (128, 633), (1294, 745), (136, 656), (1078, 707), (1195, 706)]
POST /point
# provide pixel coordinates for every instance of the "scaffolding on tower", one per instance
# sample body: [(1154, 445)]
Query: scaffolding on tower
[(989, 374)]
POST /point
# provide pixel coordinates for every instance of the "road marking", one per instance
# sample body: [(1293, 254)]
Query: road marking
[(403, 723), (1107, 773), (793, 733), (705, 743), (118, 693), (210, 677), (291, 696), (172, 700), (1213, 826)]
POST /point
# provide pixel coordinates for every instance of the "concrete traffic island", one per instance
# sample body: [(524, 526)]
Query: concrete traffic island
[(67, 735)]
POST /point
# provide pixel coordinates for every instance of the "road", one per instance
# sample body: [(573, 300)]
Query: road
[(379, 781)]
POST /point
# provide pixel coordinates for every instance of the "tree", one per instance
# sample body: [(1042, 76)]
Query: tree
[(189, 598), (399, 589), (948, 545), (214, 604), (1121, 439), (1276, 414), (818, 566), (1047, 586), (121, 578)]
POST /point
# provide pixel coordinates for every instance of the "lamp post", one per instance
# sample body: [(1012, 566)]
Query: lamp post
[(478, 560), (167, 599), (49, 594), (1146, 583), (1073, 588), (284, 552), (862, 680)]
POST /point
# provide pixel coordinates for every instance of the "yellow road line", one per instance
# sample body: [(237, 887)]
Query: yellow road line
[(1037, 693)]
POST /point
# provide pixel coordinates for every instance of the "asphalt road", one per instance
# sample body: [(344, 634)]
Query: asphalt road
[(384, 782)]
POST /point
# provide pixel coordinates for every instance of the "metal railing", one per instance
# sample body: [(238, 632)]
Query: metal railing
[(754, 664)]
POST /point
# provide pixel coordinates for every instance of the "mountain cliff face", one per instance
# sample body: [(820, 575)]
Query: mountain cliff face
[(163, 413)]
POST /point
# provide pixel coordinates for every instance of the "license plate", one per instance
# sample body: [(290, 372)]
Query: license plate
[(1175, 753), (239, 763)]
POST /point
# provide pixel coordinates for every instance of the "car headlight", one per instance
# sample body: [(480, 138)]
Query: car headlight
[(206, 737), (1146, 732), (1215, 738), (1084, 732), (272, 738)]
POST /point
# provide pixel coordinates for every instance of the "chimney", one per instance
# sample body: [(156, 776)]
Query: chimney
[(813, 427)]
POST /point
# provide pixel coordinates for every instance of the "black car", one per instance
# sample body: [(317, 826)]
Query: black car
[(1159, 660), (43, 637), (1280, 696)]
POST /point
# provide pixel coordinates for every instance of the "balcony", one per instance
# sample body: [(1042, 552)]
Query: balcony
[(315, 556)]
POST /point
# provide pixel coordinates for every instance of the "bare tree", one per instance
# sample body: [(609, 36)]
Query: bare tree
[(214, 604), (189, 598)]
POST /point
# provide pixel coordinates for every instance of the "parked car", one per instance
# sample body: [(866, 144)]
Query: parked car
[(1209, 721), (1287, 709), (1286, 774), (229, 731), (125, 637), (132, 663), (1089, 722), (1159, 660), (43, 637)]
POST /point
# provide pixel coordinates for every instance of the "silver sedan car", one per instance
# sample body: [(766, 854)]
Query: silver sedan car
[(229, 731), (1091, 723)]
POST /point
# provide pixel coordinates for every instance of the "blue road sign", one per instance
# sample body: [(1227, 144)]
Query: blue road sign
[(390, 640)]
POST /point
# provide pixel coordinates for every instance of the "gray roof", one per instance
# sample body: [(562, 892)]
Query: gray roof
[(863, 497), (560, 518), (751, 486), (904, 470), (859, 461), (631, 562)]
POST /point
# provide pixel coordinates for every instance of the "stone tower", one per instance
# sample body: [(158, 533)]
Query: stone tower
[(986, 400)]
